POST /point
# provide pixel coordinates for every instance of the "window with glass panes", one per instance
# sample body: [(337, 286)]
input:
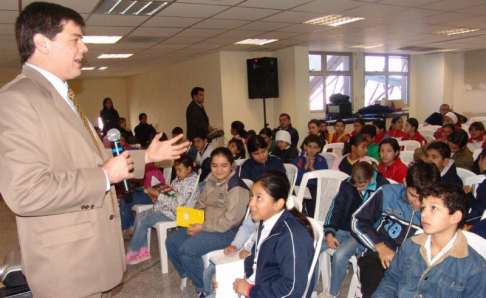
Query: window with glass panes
[(386, 76), (329, 73)]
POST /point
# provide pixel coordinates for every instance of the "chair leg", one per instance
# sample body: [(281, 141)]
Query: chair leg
[(183, 283), (355, 285), (164, 259), (325, 268), (149, 234)]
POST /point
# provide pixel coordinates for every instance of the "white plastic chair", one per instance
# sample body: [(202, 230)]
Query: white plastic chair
[(426, 131), (373, 160), (432, 127), (163, 226), (336, 148), (291, 171), (477, 119), (325, 272), (248, 182), (409, 145), (477, 242), (429, 138), (318, 236), (473, 181), (476, 153), (406, 156), (330, 158), (167, 172), (391, 181), (463, 174), (328, 183), (238, 162)]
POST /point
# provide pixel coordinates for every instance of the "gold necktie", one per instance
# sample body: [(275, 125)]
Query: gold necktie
[(75, 101)]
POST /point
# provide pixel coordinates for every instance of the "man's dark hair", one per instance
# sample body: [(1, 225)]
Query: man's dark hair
[(450, 125), (200, 133), (477, 126), (313, 139), (284, 114), (452, 196), (421, 175), (380, 124), (177, 130), (47, 19), (369, 130), (195, 91), (141, 115), (442, 147), (458, 137)]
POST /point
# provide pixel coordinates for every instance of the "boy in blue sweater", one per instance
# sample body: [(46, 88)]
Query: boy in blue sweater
[(438, 263)]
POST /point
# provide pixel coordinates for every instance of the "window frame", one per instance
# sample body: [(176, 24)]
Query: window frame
[(324, 73), (387, 74)]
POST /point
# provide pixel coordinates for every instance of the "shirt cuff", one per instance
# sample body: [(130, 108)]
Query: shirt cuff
[(248, 292), (107, 180)]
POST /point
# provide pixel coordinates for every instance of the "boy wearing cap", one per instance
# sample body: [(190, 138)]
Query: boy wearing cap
[(285, 151)]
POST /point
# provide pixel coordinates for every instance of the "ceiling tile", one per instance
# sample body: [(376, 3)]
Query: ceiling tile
[(171, 22), (112, 20), (414, 3), (275, 4), (292, 17), (220, 24), (106, 30), (85, 6), (183, 40), (147, 31), (243, 13), (191, 10), (277, 35), (443, 18), (200, 32), (476, 10), (240, 34), (452, 5), (170, 46), (477, 22), (328, 6), (376, 11), (213, 2)]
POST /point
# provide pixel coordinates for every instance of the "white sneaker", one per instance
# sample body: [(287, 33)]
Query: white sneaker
[(314, 295), (327, 294)]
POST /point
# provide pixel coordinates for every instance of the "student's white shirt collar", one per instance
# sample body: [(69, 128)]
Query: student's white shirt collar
[(441, 253)]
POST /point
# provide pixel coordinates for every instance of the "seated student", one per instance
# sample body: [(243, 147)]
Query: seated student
[(178, 131), (364, 181), (437, 118), (439, 262), (260, 161), (339, 135), (224, 201), (243, 242), (419, 153), (391, 166), (267, 134), (164, 209), (411, 127), (449, 118), (238, 130), (369, 131), (310, 160), (457, 142), (125, 144), (281, 257), (476, 141), (381, 132), (203, 149), (396, 128), (250, 133), (354, 150), (124, 130), (237, 148), (478, 203), (323, 129), (313, 126), (358, 126), (285, 150), (439, 154), (386, 219)]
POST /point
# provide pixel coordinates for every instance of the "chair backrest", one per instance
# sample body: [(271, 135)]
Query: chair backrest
[(330, 158), (391, 181), (328, 183), (406, 156), (465, 127), (432, 127), (318, 236), (373, 160), (193, 198), (238, 162), (473, 181), (248, 183), (477, 119), (426, 132), (477, 242), (409, 145), (336, 148), (476, 153), (429, 138), (167, 173), (463, 174), (291, 171)]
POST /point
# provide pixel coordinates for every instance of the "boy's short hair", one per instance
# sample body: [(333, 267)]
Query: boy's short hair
[(360, 121), (452, 196), (477, 126), (421, 175), (313, 139), (369, 130), (199, 133), (195, 91), (443, 148), (458, 137), (177, 131), (284, 115)]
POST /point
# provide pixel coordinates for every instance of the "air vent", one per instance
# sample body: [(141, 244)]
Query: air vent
[(142, 39), (131, 7), (419, 49)]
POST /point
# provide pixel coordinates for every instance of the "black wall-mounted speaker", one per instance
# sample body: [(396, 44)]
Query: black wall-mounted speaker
[(262, 77)]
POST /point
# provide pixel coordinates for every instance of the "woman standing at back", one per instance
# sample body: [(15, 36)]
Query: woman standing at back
[(109, 116)]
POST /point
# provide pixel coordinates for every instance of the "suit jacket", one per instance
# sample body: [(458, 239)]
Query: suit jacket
[(69, 227), (196, 118)]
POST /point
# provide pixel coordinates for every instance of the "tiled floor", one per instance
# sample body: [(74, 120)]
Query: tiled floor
[(141, 280)]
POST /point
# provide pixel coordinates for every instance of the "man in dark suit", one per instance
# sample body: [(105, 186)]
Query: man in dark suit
[(196, 116), (54, 172), (285, 124)]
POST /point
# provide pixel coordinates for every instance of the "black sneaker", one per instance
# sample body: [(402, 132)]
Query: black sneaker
[(201, 294)]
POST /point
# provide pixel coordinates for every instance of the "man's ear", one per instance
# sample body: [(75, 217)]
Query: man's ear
[(41, 43), (445, 161), (456, 217)]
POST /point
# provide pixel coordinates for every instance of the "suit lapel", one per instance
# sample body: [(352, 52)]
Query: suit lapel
[(63, 107)]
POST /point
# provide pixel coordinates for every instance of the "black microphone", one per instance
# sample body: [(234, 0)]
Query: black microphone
[(114, 137)]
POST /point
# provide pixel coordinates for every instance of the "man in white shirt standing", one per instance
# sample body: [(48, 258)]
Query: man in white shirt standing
[(55, 174)]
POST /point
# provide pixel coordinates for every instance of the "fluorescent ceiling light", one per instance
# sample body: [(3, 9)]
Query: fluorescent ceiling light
[(103, 68), (87, 68), (131, 7), (114, 56), (101, 39), (333, 20), (255, 41), (366, 46), (455, 31)]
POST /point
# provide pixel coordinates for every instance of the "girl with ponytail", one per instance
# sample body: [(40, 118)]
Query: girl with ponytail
[(355, 150)]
